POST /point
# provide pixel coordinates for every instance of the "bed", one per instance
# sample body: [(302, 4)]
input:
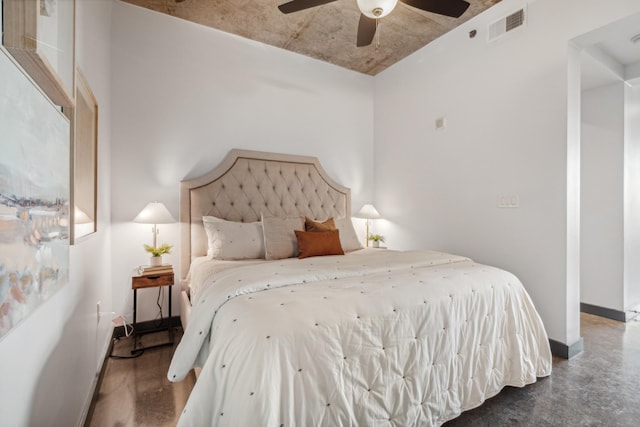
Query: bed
[(369, 337)]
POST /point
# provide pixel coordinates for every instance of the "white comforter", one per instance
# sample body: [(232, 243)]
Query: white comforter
[(372, 338)]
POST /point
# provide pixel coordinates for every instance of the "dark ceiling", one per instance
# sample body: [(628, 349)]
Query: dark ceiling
[(326, 32)]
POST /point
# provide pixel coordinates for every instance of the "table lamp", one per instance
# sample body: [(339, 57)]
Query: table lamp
[(368, 212), (154, 213)]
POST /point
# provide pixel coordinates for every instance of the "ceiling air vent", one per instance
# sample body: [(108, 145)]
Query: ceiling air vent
[(506, 24)]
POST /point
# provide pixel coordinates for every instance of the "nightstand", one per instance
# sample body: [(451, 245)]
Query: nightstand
[(151, 281)]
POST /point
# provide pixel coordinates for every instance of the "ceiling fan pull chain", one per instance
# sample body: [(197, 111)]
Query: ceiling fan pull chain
[(377, 35)]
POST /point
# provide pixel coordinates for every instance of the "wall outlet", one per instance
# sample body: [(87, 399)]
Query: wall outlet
[(508, 201)]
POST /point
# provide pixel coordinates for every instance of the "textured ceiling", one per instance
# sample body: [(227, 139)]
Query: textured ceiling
[(327, 32)]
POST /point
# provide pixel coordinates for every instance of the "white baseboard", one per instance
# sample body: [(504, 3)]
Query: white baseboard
[(106, 347)]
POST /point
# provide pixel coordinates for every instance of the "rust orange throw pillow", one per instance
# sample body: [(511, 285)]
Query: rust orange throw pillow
[(318, 243), (311, 225)]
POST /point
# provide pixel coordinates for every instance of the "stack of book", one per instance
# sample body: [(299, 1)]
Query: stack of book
[(148, 270)]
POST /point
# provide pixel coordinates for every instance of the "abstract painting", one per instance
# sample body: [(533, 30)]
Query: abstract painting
[(34, 197)]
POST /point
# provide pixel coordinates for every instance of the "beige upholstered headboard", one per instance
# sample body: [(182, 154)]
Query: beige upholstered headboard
[(247, 184)]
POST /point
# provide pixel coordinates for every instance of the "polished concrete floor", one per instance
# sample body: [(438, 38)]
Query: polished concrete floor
[(135, 391), (598, 387)]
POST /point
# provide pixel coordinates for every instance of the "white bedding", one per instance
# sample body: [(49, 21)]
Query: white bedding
[(203, 268), (372, 338)]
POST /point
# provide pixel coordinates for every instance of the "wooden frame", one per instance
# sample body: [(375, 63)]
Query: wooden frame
[(84, 162), (40, 35)]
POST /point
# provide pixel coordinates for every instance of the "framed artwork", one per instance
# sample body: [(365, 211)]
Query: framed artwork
[(84, 167), (34, 196), (39, 34)]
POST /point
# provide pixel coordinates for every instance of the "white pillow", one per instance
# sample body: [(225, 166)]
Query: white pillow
[(230, 240), (348, 238), (279, 236)]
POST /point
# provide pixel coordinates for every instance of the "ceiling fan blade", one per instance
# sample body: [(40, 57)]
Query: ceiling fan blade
[(297, 5), (366, 31), (453, 8)]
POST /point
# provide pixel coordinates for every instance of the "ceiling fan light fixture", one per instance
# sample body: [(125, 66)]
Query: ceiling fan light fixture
[(376, 9)]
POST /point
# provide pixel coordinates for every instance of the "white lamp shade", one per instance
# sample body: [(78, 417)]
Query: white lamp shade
[(368, 6), (154, 213), (80, 217), (368, 212)]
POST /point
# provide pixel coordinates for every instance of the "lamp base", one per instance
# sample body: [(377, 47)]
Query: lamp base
[(366, 236)]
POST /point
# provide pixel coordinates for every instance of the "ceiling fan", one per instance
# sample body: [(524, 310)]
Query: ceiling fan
[(372, 10)]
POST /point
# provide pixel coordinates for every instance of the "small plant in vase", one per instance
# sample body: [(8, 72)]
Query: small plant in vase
[(157, 252), (376, 239)]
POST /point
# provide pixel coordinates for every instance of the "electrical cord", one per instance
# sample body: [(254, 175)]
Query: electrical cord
[(115, 356), (159, 302), (128, 332)]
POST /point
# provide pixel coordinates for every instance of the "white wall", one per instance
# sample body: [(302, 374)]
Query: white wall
[(184, 94), (49, 363), (632, 198), (602, 197), (180, 89), (610, 213), (506, 106)]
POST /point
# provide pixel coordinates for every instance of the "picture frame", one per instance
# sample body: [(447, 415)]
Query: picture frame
[(34, 200), (40, 35), (84, 162)]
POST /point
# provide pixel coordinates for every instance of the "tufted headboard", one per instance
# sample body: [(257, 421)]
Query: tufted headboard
[(247, 184)]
